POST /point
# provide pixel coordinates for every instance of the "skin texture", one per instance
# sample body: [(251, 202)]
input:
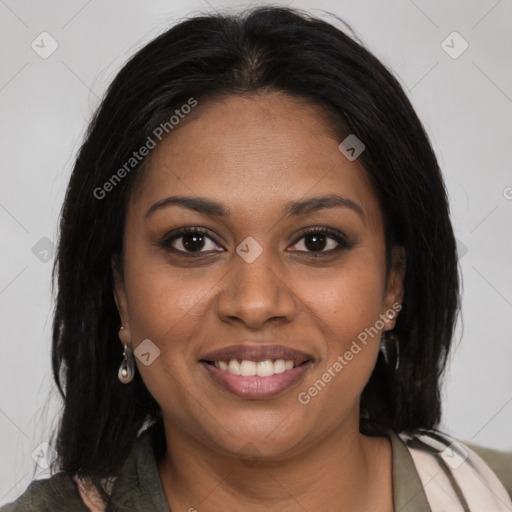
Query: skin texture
[(254, 154)]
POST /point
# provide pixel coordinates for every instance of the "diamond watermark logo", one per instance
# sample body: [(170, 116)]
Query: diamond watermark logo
[(454, 45), (249, 249), (44, 45), (454, 455), (351, 147), (44, 455), (462, 248), (44, 250), (249, 455), (146, 352)]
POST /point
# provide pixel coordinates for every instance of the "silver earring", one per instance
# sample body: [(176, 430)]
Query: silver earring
[(127, 369), (392, 350)]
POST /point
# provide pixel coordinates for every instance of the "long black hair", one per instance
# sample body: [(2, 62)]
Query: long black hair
[(208, 57)]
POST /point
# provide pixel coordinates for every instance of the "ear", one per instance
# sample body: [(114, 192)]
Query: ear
[(394, 292), (119, 290)]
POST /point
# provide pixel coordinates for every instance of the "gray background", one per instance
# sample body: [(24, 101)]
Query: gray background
[(465, 104)]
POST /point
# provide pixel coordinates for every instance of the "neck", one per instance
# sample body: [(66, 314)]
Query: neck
[(346, 471)]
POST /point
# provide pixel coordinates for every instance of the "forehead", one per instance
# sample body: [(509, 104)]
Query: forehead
[(253, 154)]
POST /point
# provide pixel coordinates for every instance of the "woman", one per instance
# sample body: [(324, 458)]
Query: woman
[(257, 287)]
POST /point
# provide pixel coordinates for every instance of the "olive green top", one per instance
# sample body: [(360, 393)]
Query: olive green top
[(139, 488)]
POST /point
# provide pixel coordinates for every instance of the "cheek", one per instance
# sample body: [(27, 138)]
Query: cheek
[(349, 300), (351, 346), (162, 300), (163, 308), (347, 307)]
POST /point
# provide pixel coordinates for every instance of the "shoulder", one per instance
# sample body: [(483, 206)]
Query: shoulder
[(467, 473), (58, 493), (499, 461)]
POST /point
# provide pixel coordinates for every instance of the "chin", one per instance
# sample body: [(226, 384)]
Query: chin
[(255, 442)]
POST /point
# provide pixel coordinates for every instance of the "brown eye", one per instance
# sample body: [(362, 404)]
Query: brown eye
[(189, 242), (321, 240), (192, 241)]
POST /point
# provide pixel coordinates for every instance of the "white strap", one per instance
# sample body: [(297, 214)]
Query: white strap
[(455, 478)]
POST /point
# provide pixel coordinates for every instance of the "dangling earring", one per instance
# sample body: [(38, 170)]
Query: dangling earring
[(127, 369), (392, 350)]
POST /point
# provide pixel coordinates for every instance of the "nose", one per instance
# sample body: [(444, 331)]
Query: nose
[(255, 293)]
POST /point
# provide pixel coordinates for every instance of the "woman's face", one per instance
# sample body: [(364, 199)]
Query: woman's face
[(256, 286)]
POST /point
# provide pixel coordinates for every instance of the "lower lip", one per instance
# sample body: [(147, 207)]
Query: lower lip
[(257, 387)]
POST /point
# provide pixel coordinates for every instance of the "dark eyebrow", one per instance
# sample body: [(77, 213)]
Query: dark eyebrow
[(291, 209), (198, 204), (315, 204)]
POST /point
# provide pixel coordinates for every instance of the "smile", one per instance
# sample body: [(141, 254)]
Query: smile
[(248, 368), (256, 379)]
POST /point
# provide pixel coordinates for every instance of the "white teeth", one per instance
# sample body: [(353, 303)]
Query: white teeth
[(279, 366), (248, 368), (234, 367), (265, 369)]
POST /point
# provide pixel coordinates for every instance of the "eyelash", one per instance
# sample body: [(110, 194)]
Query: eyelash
[(344, 243)]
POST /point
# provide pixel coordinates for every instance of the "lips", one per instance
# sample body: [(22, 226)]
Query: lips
[(256, 371), (256, 353)]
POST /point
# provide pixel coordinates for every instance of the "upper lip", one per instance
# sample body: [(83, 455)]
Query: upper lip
[(257, 353)]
